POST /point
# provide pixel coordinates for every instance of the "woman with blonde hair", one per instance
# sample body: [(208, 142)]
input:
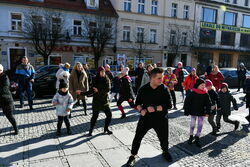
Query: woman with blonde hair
[(216, 77), (79, 81)]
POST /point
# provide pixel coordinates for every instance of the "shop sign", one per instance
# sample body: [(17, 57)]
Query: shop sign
[(75, 49), (223, 27)]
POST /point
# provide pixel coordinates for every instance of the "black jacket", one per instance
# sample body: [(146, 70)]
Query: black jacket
[(110, 75), (5, 94), (148, 96), (197, 104), (242, 73), (126, 89), (225, 101), (214, 97)]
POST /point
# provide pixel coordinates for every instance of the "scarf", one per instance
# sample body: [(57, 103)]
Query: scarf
[(199, 91)]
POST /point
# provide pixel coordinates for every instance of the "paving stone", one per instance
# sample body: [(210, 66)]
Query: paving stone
[(84, 160), (124, 135), (48, 163), (103, 142)]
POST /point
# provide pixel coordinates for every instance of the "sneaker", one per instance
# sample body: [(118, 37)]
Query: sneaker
[(175, 108), (236, 126), (108, 131), (167, 156), (197, 141), (123, 116), (131, 161)]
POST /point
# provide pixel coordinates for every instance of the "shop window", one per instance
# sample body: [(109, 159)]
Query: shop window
[(225, 60), (245, 40), (207, 36), (227, 38)]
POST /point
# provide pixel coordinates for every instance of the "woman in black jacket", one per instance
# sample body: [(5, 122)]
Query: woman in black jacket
[(198, 105), (101, 88), (6, 100), (215, 105)]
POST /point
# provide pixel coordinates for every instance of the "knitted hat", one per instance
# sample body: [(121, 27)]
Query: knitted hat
[(198, 83), (101, 68), (63, 84), (180, 63), (208, 83), (67, 65), (224, 85), (125, 70), (193, 69)]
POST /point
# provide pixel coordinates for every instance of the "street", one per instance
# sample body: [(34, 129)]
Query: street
[(37, 145)]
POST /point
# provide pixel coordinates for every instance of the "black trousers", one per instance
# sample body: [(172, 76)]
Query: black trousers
[(60, 121), (8, 109), (95, 115), (241, 82), (172, 93), (160, 126), (225, 118), (122, 99), (211, 121)]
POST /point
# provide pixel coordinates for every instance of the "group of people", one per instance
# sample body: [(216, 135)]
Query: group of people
[(153, 95)]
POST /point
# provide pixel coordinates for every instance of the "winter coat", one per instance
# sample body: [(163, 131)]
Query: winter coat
[(214, 97), (242, 73), (62, 74), (247, 83), (145, 79), (170, 80), (180, 78), (65, 101), (225, 102), (126, 89), (25, 73), (216, 79), (198, 103), (190, 82), (5, 94), (116, 85), (110, 75), (100, 98), (139, 74), (76, 83)]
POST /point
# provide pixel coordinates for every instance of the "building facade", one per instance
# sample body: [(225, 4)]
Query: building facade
[(71, 48), (155, 31), (223, 33)]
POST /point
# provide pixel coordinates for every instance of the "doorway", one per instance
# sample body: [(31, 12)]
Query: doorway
[(171, 59), (14, 56)]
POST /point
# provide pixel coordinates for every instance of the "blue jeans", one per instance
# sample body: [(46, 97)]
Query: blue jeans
[(28, 88)]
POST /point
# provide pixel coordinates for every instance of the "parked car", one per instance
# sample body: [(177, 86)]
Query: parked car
[(231, 76), (186, 73), (45, 68)]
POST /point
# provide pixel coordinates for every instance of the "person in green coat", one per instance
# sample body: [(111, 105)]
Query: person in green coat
[(101, 88)]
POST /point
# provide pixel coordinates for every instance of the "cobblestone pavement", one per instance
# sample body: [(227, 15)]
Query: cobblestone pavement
[(37, 145)]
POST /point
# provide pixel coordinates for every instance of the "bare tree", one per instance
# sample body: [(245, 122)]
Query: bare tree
[(100, 31), (44, 28)]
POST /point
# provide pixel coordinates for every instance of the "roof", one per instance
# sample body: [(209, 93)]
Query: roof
[(105, 6)]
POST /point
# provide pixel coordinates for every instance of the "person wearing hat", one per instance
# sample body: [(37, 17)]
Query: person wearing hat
[(64, 102), (25, 73), (226, 98), (6, 100), (126, 91), (180, 78), (198, 105), (63, 73), (100, 91), (241, 71), (190, 81), (215, 105)]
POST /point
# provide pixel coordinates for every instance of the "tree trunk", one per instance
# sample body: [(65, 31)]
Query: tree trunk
[(45, 59), (97, 57)]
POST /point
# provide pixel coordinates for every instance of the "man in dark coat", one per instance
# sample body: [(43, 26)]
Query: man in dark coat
[(153, 102), (6, 100), (241, 71)]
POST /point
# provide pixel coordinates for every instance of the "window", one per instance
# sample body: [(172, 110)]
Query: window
[(184, 39), (56, 25), (92, 3), (16, 22), (141, 5), (245, 40), (246, 21), (152, 36), (172, 37), (228, 1), (230, 18), (126, 33), (234, 1), (174, 10), (140, 34), (209, 15), (186, 12), (127, 5), (77, 28), (246, 2), (154, 7), (207, 36), (227, 38), (37, 21)]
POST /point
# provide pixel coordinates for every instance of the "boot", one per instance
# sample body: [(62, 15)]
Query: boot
[(123, 116), (167, 156), (90, 131), (108, 131), (214, 132), (197, 141), (16, 131), (236, 125), (131, 161), (190, 140)]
